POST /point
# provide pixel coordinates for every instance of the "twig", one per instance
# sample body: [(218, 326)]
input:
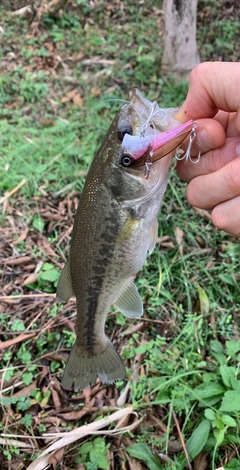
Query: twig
[(92, 428), (4, 298), (18, 339), (182, 440), (15, 443), (25, 11), (14, 190)]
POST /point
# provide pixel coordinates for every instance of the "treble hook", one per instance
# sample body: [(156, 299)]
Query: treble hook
[(187, 154), (148, 164)]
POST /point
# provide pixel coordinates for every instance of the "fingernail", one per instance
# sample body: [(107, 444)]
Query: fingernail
[(180, 116), (238, 150), (204, 140)]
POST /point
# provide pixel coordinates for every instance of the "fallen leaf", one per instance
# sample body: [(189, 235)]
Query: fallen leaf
[(77, 99), (31, 279), (56, 458), (134, 464), (202, 213), (179, 239), (74, 96), (18, 260), (21, 237), (8, 343), (76, 414), (26, 391), (200, 462), (132, 329)]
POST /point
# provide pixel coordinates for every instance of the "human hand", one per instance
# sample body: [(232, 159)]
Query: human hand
[(213, 100)]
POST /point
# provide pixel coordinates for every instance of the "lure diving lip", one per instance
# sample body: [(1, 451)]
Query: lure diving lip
[(135, 149)]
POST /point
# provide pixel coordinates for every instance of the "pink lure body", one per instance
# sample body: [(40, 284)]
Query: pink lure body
[(156, 145)]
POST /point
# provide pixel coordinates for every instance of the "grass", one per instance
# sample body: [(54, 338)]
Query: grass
[(58, 94)]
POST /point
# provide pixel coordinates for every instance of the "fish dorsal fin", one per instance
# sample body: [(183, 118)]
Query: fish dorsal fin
[(153, 237), (129, 301), (64, 287)]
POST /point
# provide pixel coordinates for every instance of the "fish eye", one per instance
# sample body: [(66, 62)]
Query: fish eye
[(124, 129), (126, 160)]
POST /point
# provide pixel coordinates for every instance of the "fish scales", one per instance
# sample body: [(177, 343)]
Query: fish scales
[(114, 228)]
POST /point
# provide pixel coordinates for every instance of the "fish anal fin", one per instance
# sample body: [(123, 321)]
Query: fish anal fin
[(153, 236), (129, 301), (64, 287)]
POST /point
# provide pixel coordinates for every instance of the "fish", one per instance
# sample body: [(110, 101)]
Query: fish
[(115, 227)]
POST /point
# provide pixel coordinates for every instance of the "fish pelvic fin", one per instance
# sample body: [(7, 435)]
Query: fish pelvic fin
[(82, 369), (64, 287), (129, 301)]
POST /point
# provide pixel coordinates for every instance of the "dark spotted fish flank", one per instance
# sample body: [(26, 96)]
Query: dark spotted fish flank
[(105, 251)]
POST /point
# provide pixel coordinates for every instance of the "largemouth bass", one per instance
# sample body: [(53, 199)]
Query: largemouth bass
[(115, 227)]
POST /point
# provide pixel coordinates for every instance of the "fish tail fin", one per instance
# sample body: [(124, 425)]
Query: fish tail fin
[(82, 369)]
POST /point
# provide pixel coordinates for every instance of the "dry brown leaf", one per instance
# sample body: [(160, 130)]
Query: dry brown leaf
[(44, 373), (202, 213), (76, 414), (18, 339), (77, 99), (164, 238), (200, 462), (168, 244), (18, 260), (133, 329), (26, 391), (164, 458), (45, 245), (56, 458), (29, 267), (157, 423), (21, 237), (56, 399), (133, 463), (30, 279), (179, 239), (174, 447), (96, 91), (74, 96), (201, 241)]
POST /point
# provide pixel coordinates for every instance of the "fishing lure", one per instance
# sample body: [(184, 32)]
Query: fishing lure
[(144, 150)]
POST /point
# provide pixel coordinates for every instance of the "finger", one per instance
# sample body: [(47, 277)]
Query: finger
[(207, 191), (228, 122), (226, 216), (212, 86), (210, 162)]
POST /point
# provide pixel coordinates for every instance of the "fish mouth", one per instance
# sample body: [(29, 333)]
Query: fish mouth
[(159, 182)]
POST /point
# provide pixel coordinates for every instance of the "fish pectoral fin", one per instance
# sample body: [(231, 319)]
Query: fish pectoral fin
[(64, 287), (129, 301), (153, 237)]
